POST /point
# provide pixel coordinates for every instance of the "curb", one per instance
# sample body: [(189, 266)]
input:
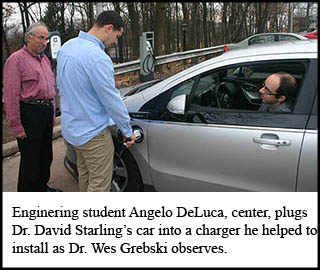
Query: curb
[(11, 148)]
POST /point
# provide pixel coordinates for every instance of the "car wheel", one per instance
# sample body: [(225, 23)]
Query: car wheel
[(126, 176)]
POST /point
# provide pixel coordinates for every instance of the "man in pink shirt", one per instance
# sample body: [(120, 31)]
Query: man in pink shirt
[(29, 91)]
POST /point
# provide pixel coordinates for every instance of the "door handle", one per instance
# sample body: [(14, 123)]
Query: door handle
[(276, 142)]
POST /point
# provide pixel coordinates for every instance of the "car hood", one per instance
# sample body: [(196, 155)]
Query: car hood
[(133, 96), (131, 90)]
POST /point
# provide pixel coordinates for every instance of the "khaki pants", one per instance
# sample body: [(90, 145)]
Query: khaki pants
[(95, 163)]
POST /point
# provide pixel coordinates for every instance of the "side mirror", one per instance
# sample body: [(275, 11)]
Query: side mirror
[(177, 105)]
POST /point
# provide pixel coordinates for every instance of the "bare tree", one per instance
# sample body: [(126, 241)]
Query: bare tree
[(177, 28), (308, 14), (7, 12), (90, 14), (146, 20), (195, 30), (81, 8), (185, 19), (224, 27), (159, 27), (239, 25), (120, 41), (24, 15), (168, 29), (261, 16), (40, 11), (71, 29), (212, 36), (205, 24), (134, 21)]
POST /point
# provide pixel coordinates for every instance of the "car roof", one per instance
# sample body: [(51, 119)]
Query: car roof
[(273, 48), (278, 33), (245, 41), (290, 46), (272, 34)]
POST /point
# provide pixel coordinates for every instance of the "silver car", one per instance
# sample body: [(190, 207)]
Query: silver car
[(264, 38), (200, 130)]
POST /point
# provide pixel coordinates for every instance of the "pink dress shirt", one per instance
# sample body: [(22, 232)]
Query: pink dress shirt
[(26, 76)]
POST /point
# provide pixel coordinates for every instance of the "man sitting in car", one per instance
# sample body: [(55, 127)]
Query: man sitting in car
[(278, 93)]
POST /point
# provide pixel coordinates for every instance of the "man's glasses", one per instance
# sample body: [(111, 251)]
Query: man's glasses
[(41, 38), (268, 91)]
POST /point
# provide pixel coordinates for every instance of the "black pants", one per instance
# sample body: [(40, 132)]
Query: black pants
[(36, 149)]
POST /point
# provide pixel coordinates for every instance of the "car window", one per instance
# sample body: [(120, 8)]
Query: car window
[(287, 37), (183, 88), (237, 87), (158, 105), (261, 39), (204, 94), (232, 88), (242, 71)]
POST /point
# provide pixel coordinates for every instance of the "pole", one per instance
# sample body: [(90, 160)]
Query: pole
[(290, 18), (184, 30)]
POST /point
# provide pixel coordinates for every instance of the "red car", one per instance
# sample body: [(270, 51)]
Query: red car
[(312, 35)]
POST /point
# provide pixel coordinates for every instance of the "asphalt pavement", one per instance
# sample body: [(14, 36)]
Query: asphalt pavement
[(60, 177)]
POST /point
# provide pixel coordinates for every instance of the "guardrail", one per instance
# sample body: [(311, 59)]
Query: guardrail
[(165, 59)]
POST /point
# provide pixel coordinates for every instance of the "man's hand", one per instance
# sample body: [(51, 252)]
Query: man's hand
[(129, 141), (21, 136)]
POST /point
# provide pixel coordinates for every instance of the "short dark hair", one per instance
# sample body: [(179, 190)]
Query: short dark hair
[(110, 17), (288, 85)]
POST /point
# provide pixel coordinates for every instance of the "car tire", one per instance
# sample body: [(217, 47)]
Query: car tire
[(126, 176)]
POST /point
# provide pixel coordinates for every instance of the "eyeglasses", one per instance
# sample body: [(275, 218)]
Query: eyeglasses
[(41, 38), (268, 91)]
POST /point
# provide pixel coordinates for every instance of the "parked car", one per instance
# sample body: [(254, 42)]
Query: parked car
[(312, 35), (264, 38), (200, 130)]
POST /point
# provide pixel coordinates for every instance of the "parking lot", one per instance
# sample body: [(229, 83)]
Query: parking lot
[(60, 177)]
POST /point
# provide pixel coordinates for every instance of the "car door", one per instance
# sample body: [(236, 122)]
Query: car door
[(226, 149), (222, 157)]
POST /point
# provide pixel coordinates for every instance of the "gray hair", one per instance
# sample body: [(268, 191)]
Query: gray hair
[(30, 30)]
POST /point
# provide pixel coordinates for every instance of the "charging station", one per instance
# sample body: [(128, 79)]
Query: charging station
[(53, 46), (51, 51), (147, 57)]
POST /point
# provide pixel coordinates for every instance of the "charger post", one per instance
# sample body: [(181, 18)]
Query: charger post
[(51, 51), (147, 57)]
